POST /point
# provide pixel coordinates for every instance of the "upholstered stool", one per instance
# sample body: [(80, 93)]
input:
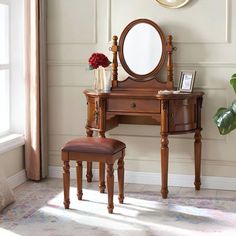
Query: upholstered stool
[(93, 149)]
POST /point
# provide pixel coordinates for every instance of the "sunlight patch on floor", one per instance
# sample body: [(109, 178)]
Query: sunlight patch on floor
[(134, 215), (4, 232)]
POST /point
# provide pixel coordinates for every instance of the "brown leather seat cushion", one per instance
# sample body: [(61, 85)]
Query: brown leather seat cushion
[(94, 145)]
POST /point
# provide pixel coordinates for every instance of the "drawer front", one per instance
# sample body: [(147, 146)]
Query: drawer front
[(182, 115), (134, 105)]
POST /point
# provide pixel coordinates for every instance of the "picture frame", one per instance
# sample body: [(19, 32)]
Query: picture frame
[(186, 81)]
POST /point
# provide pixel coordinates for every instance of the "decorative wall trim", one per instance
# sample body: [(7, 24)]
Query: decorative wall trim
[(206, 64), (187, 160), (227, 20), (17, 179), (177, 64), (66, 63), (209, 182), (72, 42)]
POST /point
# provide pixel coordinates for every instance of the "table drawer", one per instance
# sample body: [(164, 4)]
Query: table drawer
[(134, 105)]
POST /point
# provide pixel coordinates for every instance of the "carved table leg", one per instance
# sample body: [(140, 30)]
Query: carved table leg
[(164, 164), (89, 174), (110, 187), (197, 157), (121, 172), (102, 169), (79, 175), (66, 183)]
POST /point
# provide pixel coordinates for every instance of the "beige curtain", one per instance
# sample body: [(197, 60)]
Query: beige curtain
[(35, 144)]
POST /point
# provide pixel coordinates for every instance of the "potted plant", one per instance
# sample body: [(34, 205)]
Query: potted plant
[(225, 118)]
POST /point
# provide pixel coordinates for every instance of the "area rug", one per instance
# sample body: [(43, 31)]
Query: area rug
[(39, 211)]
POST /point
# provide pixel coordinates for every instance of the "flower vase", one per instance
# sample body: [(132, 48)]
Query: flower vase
[(102, 80), (107, 79), (98, 82)]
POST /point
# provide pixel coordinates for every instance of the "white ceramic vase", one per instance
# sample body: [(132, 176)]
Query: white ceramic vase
[(102, 80)]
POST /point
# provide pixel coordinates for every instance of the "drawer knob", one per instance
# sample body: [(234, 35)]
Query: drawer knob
[(133, 105)]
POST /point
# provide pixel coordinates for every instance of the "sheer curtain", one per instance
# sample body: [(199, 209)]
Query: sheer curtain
[(35, 90)]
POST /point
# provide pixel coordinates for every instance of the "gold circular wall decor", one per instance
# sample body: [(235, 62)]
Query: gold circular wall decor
[(173, 3)]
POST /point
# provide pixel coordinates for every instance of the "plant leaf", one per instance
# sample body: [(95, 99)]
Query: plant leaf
[(233, 82), (225, 119)]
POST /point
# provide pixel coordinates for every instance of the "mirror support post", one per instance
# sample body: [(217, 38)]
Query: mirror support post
[(114, 50), (169, 49)]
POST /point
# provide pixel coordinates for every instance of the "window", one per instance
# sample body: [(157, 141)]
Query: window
[(4, 69), (11, 67)]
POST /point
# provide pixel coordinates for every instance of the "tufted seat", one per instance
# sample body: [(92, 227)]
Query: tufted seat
[(93, 149)]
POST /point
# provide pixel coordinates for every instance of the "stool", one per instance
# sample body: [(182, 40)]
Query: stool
[(93, 149)]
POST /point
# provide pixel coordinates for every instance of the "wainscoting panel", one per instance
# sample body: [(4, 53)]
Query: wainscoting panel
[(204, 33)]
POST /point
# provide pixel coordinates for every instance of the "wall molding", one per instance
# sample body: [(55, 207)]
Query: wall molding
[(209, 182), (83, 42), (67, 63), (227, 30), (207, 64), (17, 179), (181, 160)]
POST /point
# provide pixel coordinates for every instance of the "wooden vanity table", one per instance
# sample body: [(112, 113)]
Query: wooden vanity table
[(135, 100)]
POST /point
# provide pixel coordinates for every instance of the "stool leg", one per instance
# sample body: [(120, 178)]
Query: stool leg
[(66, 182), (89, 174), (79, 175), (102, 185), (110, 187), (121, 172)]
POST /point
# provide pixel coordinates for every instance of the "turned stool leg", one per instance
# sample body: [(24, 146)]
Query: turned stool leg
[(66, 182), (102, 185), (110, 187), (89, 174), (121, 172), (79, 175)]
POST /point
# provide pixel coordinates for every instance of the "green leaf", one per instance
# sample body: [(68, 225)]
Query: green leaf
[(225, 119), (233, 82)]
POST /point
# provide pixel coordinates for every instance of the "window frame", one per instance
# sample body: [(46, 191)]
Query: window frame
[(7, 67), (14, 137)]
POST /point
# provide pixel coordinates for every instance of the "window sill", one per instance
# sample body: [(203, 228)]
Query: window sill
[(10, 142)]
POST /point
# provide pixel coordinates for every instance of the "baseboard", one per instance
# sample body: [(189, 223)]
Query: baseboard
[(209, 182), (17, 179)]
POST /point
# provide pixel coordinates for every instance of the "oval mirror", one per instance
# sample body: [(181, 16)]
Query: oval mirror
[(142, 49)]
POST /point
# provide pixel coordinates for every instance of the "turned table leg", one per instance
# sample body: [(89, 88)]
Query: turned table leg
[(197, 158), (89, 174), (164, 164), (110, 187), (66, 183)]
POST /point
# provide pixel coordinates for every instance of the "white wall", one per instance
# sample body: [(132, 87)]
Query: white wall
[(204, 33)]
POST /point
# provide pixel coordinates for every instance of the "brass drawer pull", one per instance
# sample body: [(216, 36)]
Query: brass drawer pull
[(133, 105)]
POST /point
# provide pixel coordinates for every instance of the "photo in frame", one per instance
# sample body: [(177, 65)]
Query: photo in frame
[(186, 81)]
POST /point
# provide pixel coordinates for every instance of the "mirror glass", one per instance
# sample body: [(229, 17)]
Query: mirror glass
[(142, 49)]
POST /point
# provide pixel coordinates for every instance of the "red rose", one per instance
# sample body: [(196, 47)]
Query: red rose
[(98, 59)]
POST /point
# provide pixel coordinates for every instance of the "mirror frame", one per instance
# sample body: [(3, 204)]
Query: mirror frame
[(152, 74)]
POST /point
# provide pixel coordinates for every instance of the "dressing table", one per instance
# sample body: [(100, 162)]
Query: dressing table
[(143, 51)]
